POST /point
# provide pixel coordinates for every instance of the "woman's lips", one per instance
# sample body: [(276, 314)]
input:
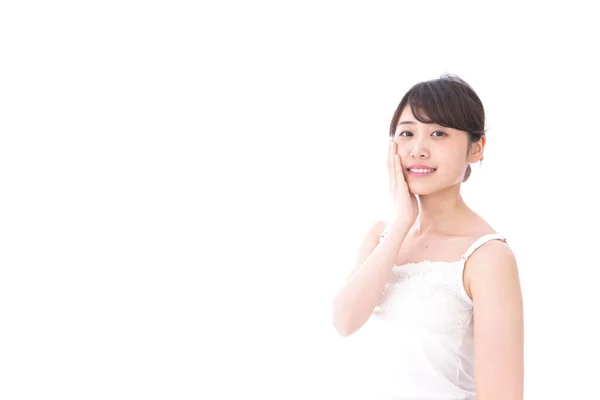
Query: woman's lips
[(415, 173)]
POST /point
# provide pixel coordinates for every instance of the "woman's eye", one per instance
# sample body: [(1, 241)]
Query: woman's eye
[(410, 133)]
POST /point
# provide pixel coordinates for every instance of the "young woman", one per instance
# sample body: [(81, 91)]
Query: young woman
[(440, 281)]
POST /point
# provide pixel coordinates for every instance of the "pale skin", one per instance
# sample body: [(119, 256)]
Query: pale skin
[(442, 228)]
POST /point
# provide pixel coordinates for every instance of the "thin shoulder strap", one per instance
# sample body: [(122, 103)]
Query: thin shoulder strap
[(481, 241)]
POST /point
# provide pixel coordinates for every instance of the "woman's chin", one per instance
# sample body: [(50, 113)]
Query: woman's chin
[(419, 188), (422, 190)]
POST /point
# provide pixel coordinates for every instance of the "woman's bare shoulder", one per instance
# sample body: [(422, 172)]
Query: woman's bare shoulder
[(479, 226)]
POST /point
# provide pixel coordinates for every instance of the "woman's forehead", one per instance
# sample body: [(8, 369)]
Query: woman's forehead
[(407, 114)]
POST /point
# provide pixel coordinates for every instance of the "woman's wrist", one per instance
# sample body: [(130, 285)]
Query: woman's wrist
[(396, 226)]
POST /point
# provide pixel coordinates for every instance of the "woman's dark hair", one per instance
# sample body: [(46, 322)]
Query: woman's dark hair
[(447, 101)]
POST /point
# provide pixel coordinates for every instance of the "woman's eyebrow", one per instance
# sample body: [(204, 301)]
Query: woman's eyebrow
[(414, 123)]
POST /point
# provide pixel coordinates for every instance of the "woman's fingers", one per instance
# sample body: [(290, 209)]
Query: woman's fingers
[(389, 166), (399, 169), (392, 167)]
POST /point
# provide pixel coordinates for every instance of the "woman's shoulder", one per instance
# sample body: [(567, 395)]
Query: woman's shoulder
[(478, 227), (476, 235)]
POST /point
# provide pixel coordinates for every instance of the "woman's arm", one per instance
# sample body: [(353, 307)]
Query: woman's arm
[(355, 301), (498, 322)]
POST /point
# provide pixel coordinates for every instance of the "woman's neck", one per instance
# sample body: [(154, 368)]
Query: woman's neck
[(440, 212)]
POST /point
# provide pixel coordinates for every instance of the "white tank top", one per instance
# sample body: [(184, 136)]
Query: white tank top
[(423, 344)]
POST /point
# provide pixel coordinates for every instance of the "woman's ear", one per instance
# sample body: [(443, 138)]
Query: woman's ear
[(477, 150)]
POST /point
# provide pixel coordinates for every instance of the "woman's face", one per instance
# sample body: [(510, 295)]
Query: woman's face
[(433, 146)]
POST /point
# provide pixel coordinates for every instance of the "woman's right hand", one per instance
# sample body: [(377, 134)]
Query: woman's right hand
[(405, 205)]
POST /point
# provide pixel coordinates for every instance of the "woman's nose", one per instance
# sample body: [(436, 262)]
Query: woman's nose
[(418, 151)]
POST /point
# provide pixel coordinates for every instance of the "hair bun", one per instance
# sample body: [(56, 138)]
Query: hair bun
[(467, 174)]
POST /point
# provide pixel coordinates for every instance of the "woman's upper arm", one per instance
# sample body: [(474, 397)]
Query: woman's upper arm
[(369, 241), (498, 322)]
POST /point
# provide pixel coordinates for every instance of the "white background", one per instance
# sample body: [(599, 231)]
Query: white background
[(183, 187)]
